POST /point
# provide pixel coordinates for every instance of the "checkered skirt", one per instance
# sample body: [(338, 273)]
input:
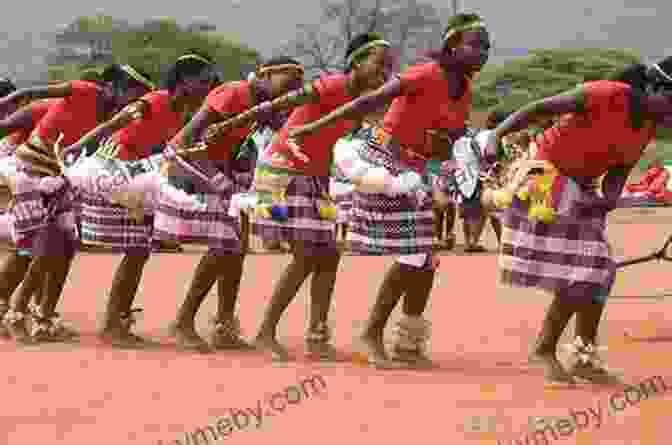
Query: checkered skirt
[(385, 225), (571, 252), (206, 223), (32, 211), (304, 222), (110, 225)]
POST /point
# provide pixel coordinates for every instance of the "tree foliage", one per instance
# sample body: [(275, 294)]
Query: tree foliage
[(410, 25), (151, 46), (544, 73)]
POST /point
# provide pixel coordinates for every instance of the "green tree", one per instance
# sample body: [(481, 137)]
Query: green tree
[(151, 46), (544, 73)]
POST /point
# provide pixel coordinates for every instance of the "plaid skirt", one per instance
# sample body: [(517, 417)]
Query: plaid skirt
[(207, 222), (109, 225), (341, 192), (384, 225), (571, 252), (304, 222), (32, 211)]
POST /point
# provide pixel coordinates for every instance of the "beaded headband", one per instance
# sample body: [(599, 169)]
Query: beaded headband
[(362, 49), (137, 76)]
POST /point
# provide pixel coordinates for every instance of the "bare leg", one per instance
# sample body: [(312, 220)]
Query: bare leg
[(389, 294), (587, 364), (413, 329), (285, 291), (119, 316), (13, 271), (226, 334), (204, 279), (16, 318), (321, 293), (558, 315), (48, 326)]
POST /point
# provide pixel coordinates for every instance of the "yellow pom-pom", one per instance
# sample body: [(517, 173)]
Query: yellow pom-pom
[(328, 212), (262, 212), (279, 196), (502, 199), (546, 214), (523, 194), (534, 212)]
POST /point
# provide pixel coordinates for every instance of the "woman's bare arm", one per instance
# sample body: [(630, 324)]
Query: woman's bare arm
[(307, 93), (569, 102), (19, 120), (45, 92), (130, 113), (355, 110)]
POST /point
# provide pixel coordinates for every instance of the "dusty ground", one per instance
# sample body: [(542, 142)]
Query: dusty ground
[(86, 394)]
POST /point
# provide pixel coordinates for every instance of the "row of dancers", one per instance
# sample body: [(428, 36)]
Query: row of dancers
[(312, 137)]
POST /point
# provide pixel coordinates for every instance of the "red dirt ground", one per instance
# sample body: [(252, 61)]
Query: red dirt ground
[(87, 394)]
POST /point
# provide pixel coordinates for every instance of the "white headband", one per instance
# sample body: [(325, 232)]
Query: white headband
[(362, 49), (467, 27)]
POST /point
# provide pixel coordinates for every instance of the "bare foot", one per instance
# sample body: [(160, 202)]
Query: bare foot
[(375, 355), (187, 339), (321, 351), (269, 345)]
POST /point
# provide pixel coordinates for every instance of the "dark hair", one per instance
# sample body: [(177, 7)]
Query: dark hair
[(357, 42), (112, 73), (186, 67), (117, 75), (456, 21), (634, 75), (7, 87)]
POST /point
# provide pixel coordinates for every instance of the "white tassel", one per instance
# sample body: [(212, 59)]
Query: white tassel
[(412, 333)]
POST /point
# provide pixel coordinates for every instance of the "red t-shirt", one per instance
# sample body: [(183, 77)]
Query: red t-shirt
[(38, 109), (589, 143), (159, 124), (229, 99), (332, 91), (74, 116), (425, 104)]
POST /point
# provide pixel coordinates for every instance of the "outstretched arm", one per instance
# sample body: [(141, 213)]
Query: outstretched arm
[(196, 128), (357, 109), (19, 120), (307, 93), (130, 113), (45, 92), (569, 102)]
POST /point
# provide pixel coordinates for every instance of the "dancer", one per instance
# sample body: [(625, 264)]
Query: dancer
[(19, 125), (211, 224), (341, 188), (42, 211), (430, 104), (560, 246), (130, 136), (304, 218)]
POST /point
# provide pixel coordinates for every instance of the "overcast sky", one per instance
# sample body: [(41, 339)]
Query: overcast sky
[(266, 24)]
